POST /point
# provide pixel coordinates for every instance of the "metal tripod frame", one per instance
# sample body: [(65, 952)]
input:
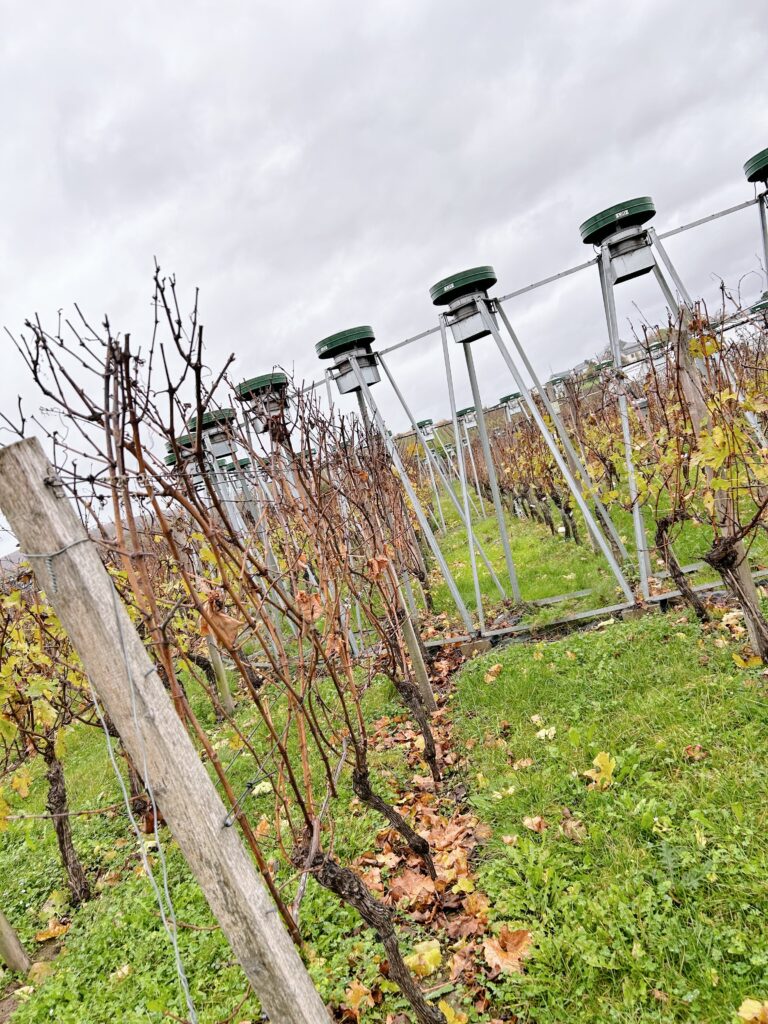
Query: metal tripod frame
[(676, 296), (483, 305), (418, 509)]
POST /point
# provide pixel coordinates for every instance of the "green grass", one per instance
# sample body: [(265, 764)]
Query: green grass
[(548, 565), (122, 925), (670, 889), (668, 892)]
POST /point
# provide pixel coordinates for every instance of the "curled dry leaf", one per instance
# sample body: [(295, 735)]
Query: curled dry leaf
[(217, 623), (477, 904), (53, 931), (310, 606), (506, 953), (523, 762), (376, 565), (536, 824), (492, 673), (463, 962), (547, 734), (412, 887), (121, 973), (695, 752), (537, 720), (424, 782), (573, 828), (334, 645), (356, 996), (754, 1011)]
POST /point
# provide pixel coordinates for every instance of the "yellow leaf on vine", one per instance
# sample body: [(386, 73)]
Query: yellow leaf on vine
[(21, 781)]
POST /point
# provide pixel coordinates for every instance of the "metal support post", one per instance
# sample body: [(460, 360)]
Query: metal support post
[(605, 547), (763, 208), (564, 436), (465, 518), (413, 498), (609, 305), (492, 479)]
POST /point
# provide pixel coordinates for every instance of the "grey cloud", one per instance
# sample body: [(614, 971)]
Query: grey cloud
[(316, 165)]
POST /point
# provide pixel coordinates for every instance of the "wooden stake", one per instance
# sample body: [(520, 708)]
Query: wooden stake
[(12, 952), (81, 593)]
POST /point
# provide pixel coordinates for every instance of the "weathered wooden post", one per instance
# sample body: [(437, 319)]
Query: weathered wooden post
[(12, 953), (69, 569)]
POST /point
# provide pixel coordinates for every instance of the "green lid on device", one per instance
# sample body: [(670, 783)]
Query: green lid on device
[(336, 344), (212, 419), (266, 382), (478, 279), (623, 215), (756, 168)]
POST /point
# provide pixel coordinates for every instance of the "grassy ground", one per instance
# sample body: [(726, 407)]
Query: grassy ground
[(659, 914), (548, 566)]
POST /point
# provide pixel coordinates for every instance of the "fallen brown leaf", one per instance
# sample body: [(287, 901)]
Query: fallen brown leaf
[(573, 828), (506, 953), (53, 931)]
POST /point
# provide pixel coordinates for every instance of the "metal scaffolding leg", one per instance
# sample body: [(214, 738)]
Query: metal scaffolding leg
[(670, 267), (454, 468), (466, 519), (564, 437), (492, 479), (641, 542), (552, 445), (462, 478), (433, 482), (412, 496), (468, 445)]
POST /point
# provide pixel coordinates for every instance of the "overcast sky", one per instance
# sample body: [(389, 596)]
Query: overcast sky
[(317, 165)]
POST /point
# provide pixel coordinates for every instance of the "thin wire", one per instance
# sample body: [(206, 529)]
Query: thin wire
[(172, 929), (144, 859), (49, 556)]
